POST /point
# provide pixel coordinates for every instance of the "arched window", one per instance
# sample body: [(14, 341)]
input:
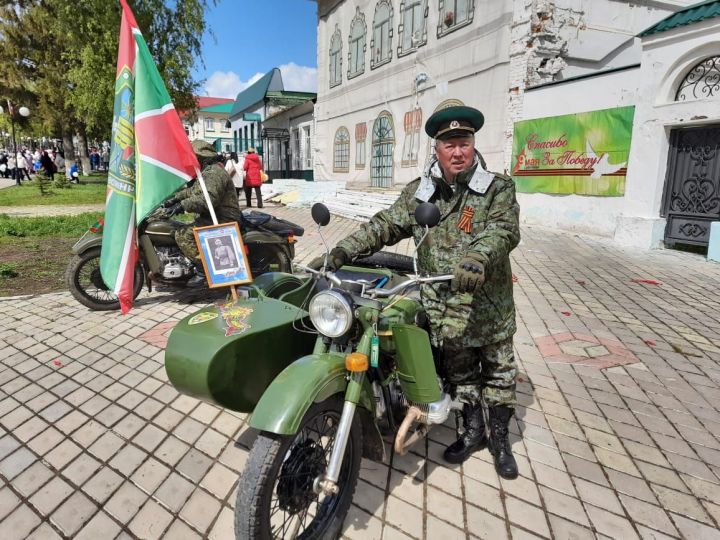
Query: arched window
[(412, 32), (381, 43), (383, 144), (454, 14), (336, 58), (341, 150), (356, 56), (703, 81)]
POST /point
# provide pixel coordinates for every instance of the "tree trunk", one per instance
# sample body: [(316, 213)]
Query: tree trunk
[(68, 147), (83, 150)]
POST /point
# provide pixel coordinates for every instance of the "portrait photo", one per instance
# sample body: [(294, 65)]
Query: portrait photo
[(223, 255)]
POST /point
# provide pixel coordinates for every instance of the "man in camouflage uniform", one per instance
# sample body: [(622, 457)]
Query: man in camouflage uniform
[(472, 319), (191, 199)]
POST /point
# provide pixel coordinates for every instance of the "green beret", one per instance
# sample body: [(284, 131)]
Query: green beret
[(457, 121)]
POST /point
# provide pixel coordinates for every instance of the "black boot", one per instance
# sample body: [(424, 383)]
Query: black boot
[(473, 439), (505, 463)]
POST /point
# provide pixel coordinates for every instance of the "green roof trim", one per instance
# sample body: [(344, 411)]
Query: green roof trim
[(255, 93), (221, 108), (690, 15)]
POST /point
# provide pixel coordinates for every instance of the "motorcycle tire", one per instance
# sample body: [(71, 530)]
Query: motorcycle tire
[(85, 284), (265, 258), (279, 476)]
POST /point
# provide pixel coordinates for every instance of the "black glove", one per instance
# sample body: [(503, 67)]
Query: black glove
[(469, 275), (172, 201), (336, 258), (177, 208)]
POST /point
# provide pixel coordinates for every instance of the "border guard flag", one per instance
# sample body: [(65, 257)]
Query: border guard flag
[(150, 157)]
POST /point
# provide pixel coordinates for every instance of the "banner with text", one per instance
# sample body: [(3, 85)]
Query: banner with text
[(583, 153)]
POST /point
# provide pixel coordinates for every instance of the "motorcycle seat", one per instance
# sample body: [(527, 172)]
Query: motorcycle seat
[(256, 219)]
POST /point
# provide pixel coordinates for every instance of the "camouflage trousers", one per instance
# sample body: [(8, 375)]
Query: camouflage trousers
[(484, 373), (185, 239)]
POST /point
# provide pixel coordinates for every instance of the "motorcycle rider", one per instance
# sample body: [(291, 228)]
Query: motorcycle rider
[(190, 199), (472, 319)]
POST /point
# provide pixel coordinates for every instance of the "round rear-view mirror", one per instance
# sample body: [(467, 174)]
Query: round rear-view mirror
[(320, 214), (427, 214)]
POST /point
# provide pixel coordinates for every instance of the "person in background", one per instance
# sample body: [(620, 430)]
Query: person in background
[(234, 168), (22, 168), (59, 161), (48, 167), (12, 168), (105, 156), (4, 165), (252, 168)]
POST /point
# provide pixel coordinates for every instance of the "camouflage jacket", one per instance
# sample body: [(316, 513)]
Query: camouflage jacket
[(469, 320), (222, 195)]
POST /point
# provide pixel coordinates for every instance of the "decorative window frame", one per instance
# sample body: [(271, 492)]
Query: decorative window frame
[(358, 19), (412, 122), (337, 167), (361, 139), (443, 30), (337, 34), (401, 29), (376, 64)]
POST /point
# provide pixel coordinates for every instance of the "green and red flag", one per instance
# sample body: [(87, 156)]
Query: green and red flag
[(150, 157)]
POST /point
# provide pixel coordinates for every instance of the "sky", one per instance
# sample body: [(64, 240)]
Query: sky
[(254, 36)]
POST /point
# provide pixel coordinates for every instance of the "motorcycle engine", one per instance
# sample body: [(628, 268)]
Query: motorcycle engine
[(174, 264)]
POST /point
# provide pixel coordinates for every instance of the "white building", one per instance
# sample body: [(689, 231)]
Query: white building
[(385, 65), (288, 137)]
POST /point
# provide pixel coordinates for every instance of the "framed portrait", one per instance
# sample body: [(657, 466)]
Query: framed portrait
[(223, 255)]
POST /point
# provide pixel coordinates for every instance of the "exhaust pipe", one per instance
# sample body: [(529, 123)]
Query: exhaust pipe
[(427, 415)]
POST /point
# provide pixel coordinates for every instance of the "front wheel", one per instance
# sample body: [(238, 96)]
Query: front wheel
[(276, 497), (86, 285)]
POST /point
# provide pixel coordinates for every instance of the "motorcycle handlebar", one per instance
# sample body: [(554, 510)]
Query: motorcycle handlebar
[(383, 293), (323, 273)]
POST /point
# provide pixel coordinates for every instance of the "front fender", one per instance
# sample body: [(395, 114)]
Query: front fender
[(87, 241), (311, 379)]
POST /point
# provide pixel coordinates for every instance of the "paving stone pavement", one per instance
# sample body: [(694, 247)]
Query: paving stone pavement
[(95, 443)]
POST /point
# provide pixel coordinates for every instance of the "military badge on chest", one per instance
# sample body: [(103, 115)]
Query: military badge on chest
[(465, 221)]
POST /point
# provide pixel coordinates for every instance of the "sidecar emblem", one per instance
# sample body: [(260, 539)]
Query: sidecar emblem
[(235, 319), (203, 317)]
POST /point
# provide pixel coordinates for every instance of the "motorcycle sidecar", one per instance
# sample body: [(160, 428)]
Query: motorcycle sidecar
[(230, 352)]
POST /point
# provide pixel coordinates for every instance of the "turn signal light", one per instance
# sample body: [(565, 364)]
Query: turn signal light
[(356, 362), (291, 238)]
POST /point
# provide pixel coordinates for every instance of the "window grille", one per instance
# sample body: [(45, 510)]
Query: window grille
[(383, 143), (703, 81)]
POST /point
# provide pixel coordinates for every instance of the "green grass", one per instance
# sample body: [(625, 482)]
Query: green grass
[(62, 226), (90, 191)]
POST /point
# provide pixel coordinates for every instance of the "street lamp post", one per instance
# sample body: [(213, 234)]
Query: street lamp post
[(22, 111)]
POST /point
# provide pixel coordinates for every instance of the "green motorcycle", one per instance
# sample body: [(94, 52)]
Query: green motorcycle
[(323, 363)]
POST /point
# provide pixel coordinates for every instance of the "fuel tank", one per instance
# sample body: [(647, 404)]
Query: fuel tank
[(162, 232)]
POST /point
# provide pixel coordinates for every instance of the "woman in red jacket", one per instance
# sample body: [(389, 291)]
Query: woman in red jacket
[(252, 167)]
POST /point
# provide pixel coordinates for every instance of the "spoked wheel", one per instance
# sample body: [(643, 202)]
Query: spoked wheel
[(86, 285), (276, 496), (268, 258)]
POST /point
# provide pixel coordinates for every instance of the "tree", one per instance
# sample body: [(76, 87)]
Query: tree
[(59, 58)]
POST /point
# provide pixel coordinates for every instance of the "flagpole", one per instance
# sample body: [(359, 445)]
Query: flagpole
[(212, 215), (207, 196)]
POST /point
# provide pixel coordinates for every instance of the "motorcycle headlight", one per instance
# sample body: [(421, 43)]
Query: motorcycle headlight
[(331, 313)]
